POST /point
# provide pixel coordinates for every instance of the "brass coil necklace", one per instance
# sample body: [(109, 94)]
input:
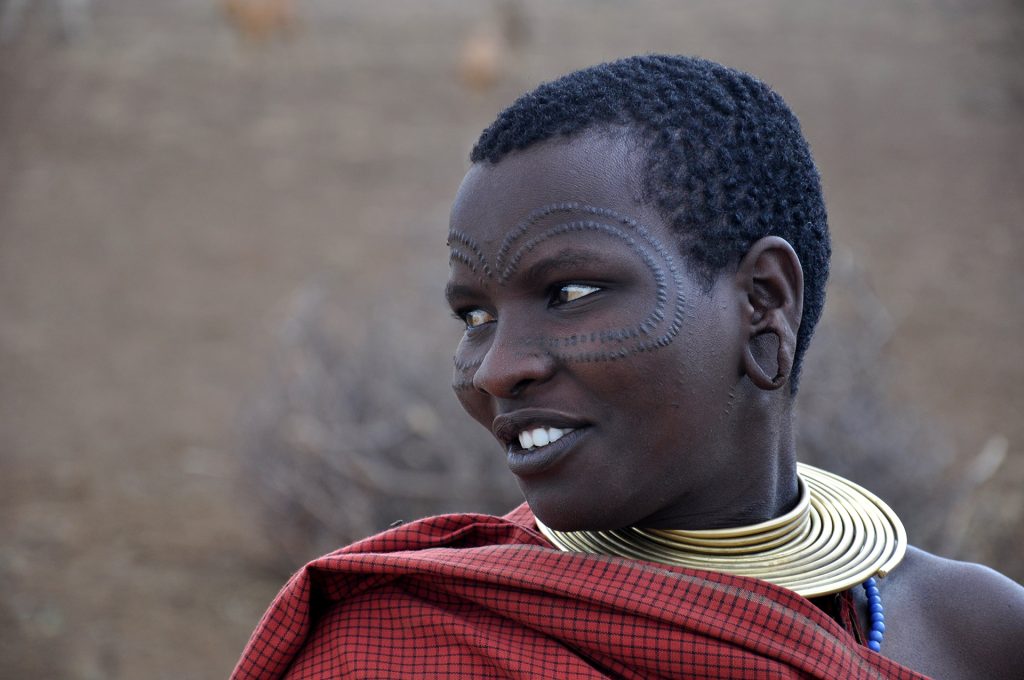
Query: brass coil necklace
[(838, 535)]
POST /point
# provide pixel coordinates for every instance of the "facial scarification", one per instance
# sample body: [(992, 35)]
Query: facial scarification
[(475, 263), (657, 328)]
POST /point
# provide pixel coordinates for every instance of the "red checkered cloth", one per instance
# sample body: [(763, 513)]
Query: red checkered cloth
[(476, 596)]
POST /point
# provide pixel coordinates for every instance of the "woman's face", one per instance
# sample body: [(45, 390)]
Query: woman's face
[(602, 366)]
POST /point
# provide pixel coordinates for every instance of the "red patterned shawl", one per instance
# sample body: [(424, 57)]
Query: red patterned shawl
[(487, 597)]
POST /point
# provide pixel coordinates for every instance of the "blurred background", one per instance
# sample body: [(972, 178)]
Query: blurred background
[(223, 347)]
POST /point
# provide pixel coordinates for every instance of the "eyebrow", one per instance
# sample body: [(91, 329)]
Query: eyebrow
[(456, 291), (567, 257)]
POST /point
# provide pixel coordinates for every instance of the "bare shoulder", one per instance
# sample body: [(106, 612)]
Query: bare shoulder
[(953, 619)]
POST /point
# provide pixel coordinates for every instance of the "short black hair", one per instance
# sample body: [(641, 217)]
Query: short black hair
[(726, 163)]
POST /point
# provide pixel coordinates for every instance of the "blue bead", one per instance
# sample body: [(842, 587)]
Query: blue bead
[(877, 631)]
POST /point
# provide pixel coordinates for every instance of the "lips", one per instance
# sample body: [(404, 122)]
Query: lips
[(519, 430), (528, 456), (534, 462)]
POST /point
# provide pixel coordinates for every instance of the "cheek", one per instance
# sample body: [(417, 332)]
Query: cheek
[(661, 392), (474, 403), (463, 370)]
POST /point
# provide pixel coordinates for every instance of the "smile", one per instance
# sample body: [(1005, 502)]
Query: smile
[(536, 439), (538, 460), (541, 436)]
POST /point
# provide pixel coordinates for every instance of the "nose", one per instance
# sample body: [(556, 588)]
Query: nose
[(512, 364)]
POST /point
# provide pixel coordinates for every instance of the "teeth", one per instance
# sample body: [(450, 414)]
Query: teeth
[(541, 436)]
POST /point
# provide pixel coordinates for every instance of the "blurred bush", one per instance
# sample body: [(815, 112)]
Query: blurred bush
[(847, 422), (358, 427)]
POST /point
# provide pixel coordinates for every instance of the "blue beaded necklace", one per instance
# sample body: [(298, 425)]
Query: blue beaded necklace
[(877, 615)]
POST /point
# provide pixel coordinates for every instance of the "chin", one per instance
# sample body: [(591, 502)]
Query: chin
[(574, 517)]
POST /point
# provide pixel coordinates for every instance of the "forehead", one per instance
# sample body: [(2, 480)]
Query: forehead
[(594, 169)]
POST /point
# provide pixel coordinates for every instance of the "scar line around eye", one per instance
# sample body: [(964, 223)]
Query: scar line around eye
[(506, 268)]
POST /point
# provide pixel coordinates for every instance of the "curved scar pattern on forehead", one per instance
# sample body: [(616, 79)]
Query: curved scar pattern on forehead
[(461, 258), (596, 345), (456, 236)]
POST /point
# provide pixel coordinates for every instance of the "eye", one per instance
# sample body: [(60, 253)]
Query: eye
[(572, 291), (474, 318)]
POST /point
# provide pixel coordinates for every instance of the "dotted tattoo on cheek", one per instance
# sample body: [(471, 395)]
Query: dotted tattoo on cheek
[(464, 371), (597, 345)]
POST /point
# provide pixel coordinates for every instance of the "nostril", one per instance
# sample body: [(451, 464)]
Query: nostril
[(520, 386)]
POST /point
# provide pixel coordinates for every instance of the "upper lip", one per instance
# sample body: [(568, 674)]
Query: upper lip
[(507, 426)]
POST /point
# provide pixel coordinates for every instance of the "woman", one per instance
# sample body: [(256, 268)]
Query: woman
[(639, 254)]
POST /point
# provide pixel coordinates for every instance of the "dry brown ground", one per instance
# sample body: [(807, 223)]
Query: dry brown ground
[(164, 189)]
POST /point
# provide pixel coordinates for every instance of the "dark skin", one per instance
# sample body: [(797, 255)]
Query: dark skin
[(582, 316)]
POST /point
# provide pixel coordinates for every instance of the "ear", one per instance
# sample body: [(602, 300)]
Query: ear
[(773, 282)]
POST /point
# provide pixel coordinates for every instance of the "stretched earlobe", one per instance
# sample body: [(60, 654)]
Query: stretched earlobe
[(772, 281), (759, 374)]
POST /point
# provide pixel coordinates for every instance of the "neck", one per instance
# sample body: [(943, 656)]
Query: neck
[(764, 488)]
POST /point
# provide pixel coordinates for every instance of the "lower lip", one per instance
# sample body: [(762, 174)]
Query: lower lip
[(525, 463)]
